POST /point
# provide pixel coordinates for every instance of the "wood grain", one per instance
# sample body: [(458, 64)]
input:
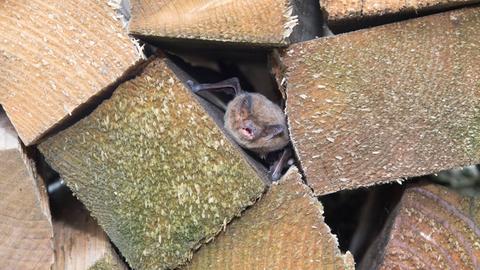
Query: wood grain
[(54, 56), (80, 243), (25, 223), (387, 103), (284, 230), (345, 10), (264, 22), (432, 228), (155, 170)]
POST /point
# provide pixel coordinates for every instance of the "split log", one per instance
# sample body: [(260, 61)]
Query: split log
[(284, 230), (432, 226), (56, 55), (345, 10), (254, 23), (25, 224), (80, 243), (386, 103), (155, 170)]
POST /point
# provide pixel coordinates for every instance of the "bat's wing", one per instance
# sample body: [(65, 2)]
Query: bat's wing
[(229, 86)]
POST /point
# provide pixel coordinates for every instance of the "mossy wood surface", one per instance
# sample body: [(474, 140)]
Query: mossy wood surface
[(284, 230), (108, 263), (431, 227), (395, 101), (25, 223), (154, 169), (79, 242), (256, 22), (54, 56), (344, 10)]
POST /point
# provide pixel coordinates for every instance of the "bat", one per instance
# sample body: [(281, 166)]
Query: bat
[(252, 120)]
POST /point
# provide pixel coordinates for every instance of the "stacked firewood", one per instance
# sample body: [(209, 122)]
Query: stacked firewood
[(96, 104)]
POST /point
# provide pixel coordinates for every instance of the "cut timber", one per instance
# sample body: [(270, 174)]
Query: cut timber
[(154, 169), (25, 224), (391, 102), (80, 243), (254, 22), (284, 230), (342, 10), (431, 227), (56, 55)]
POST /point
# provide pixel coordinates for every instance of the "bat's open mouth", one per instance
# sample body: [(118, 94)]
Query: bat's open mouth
[(248, 133)]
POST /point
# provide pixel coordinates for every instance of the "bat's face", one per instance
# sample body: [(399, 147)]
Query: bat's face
[(256, 123)]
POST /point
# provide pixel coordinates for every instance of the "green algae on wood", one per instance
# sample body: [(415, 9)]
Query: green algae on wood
[(284, 230), (108, 263), (394, 101), (154, 169), (431, 226)]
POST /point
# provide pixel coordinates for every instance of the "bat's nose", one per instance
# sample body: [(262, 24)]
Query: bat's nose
[(250, 130)]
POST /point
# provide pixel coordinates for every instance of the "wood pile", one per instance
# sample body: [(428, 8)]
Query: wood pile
[(109, 160)]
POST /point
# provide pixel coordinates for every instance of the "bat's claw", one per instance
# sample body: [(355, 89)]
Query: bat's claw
[(191, 84), (279, 165), (275, 175), (195, 87)]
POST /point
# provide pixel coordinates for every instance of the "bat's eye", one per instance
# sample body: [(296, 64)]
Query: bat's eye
[(248, 133)]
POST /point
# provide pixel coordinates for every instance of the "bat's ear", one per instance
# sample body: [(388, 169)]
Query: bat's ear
[(272, 131), (246, 106)]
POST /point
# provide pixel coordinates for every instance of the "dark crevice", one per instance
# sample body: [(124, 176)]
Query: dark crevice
[(250, 67), (189, 45), (465, 180), (310, 20), (357, 216)]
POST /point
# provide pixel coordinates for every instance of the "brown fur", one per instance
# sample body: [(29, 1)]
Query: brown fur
[(261, 114)]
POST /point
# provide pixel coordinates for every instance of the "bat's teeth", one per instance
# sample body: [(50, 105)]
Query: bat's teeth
[(247, 133)]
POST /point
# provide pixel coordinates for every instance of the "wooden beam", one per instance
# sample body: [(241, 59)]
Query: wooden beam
[(347, 10), (284, 230), (56, 55), (253, 23), (80, 243), (25, 224), (431, 226), (382, 104), (155, 170)]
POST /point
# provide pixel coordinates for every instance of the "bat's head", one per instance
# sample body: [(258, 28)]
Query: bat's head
[(256, 123)]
